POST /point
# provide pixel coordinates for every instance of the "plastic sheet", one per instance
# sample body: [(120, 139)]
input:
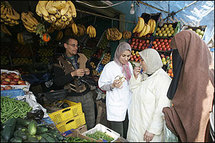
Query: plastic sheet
[(168, 135)]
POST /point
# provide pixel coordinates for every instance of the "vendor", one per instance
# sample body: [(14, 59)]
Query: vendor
[(68, 72)]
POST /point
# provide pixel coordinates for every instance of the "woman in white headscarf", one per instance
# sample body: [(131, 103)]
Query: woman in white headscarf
[(148, 99), (118, 95)]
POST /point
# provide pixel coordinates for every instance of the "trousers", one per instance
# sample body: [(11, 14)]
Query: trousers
[(88, 107)]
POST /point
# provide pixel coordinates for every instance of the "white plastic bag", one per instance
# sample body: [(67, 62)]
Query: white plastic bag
[(168, 135)]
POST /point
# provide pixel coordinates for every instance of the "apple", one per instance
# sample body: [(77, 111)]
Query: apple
[(154, 42), (156, 48), (9, 76), (132, 59), (164, 49), (165, 40), (158, 43), (161, 40), (160, 49), (147, 41), (169, 40), (166, 43), (163, 46), (13, 74), (133, 39), (162, 43), (140, 44), (133, 43), (16, 76), (7, 79), (140, 41), (8, 87), (129, 41), (21, 82), (136, 43), (159, 46), (167, 46), (168, 49), (135, 47), (139, 47), (137, 40), (143, 48), (13, 83), (155, 45)]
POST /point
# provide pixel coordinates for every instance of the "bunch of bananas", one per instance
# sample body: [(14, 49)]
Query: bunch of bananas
[(81, 30), (142, 28), (59, 13), (29, 21), (106, 59), (59, 36), (91, 31), (126, 35), (8, 15), (74, 28), (113, 34), (20, 38), (5, 30)]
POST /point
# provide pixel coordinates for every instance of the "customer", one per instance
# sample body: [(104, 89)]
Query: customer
[(68, 73), (148, 99), (118, 95), (192, 90)]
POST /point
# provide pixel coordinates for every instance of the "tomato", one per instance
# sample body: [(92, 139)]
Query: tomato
[(46, 37)]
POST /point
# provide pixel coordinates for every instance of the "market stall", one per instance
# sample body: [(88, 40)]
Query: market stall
[(31, 39)]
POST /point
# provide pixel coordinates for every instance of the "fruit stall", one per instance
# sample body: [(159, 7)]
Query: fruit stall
[(31, 40)]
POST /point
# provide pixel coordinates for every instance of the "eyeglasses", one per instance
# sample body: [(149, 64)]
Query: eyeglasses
[(73, 45)]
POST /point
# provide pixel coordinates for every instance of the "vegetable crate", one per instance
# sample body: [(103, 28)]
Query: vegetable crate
[(72, 123), (104, 129), (73, 110)]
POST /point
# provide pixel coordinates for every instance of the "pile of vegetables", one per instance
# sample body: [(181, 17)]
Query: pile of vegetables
[(12, 108), (100, 135), (76, 139), (22, 130)]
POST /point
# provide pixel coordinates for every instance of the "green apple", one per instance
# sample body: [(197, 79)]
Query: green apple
[(170, 25), (198, 31), (160, 34), (165, 25), (202, 33)]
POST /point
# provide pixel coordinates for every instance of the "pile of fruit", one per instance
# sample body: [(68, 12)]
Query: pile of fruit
[(167, 30), (59, 13), (167, 61), (161, 44), (199, 31), (113, 34), (139, 44), (91, 31), (8, 15), (143, 29), (87, 52), (135, 56), (11, 79), (22, 61)]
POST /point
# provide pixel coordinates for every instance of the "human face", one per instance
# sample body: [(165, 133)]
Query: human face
[(125, 56), (71, 47), (143, 64)]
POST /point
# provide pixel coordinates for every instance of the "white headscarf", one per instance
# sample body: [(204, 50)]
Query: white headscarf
[(152, 60)]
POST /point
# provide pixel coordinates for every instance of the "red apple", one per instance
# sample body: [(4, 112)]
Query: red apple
[(147, 41), (162, 43), (164, 49), (7, 79), (166, 43), (21, 82), (160, 49), (13, 74), (155, 45), (139, 47), (132, 59), (134, 56), (129, 41), (8, 87), (143, 41), (16, 76), (168, 49), (156, 48), (161, 40), (154, 42), (169, 40), (143, 48), (133, 39), (140, 44), (163, 46), (136, 43), (13, 83), (9, 76), (133, 43), (144, 45), (157, 40), (137, 40), (135, 47), (165, 40), (159, 46), (158, 43), (162, 55), (140, 40)]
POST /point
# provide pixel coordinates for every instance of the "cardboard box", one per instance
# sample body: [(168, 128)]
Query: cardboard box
[(102, 128)]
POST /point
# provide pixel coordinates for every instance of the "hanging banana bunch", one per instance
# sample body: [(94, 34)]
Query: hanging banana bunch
[(29, 22), (113, 34), (74, 28), (59, 36), (5, 30), (81, 30), (20, 38), (8, 15), (126, 35), (91, 31), (59, 13)]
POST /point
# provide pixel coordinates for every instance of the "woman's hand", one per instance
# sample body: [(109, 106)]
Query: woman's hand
[(148, 136), (117, 83), (136, 71)]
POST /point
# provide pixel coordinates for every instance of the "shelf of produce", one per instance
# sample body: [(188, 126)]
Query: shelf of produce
[(199, 30)]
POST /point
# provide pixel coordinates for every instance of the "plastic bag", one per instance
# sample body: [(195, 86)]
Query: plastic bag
[(168, 135)]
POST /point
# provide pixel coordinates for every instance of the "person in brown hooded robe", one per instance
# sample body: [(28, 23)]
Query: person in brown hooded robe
[(192, 89)]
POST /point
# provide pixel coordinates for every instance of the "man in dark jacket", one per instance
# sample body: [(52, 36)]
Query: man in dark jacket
[(69, 71)]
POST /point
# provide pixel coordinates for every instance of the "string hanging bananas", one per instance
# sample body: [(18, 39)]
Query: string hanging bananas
[(59, 13), (8, 15), (91, 31)]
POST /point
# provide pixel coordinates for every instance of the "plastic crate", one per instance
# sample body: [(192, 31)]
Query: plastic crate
[(75, 109), (72, 123), (104, 129), (13, 93)]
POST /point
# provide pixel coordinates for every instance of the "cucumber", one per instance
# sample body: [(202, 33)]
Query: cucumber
[(20, 134), (32, 127), (32, 139), (22, 122), (48, 137), (9, 128), (16, 139), (41, 130)]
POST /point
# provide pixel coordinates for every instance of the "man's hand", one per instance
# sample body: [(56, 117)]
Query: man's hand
[(87, 71), (148, 136), (78, 72)]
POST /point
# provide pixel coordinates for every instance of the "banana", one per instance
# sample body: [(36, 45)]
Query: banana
[(147, 30), (59, 36), (2, 8), (65, 9), (73, 9), (53, 18), (135, 28), (16, 14), (39, 13), (63, 18), (22, 39), (143, 31), (120, 36), (88, 29), (141, 24), (154, 25), (42, 8), (50, 8), (68, 14), (58, 15), (31, 19), (59, 4), (5, 30), (3, 14), (48, 19), (67, 22), (74, 28)]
